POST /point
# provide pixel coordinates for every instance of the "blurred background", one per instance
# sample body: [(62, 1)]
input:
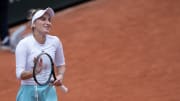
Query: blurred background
[(18, 9), (115, 50)]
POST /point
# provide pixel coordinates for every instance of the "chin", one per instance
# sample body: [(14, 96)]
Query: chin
[(46, 32)]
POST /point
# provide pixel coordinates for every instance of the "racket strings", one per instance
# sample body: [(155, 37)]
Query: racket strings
[(45, 75)]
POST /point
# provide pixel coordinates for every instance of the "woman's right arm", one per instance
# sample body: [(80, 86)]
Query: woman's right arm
[(26, 75), (21, 57)]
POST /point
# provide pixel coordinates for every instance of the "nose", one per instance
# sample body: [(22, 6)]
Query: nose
[(48, 22)]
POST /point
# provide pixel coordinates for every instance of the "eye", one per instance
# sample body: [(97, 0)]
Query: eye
[(49, 19), (42, 18)]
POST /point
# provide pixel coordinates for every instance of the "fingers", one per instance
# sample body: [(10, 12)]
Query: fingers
[(57, 83), (39, 64)]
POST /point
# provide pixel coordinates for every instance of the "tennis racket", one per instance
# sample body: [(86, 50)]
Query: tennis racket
[(43, 71)]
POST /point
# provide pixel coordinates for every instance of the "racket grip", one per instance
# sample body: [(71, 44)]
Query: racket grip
[(64, 89)]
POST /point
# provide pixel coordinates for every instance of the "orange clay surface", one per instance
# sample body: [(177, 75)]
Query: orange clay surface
[(116, 50)]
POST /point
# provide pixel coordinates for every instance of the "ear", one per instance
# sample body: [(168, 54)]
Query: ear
[(33, 25)]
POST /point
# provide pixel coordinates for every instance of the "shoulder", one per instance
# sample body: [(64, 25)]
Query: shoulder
[(53, 38), (25, 40), (23, 44)]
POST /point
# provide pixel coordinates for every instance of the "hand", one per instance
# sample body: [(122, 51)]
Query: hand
[(58, 81), (39, 65)]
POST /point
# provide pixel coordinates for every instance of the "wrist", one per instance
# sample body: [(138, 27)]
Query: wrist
[(60, 76), (61, 73)]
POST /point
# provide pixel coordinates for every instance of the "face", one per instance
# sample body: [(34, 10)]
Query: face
[(43, 24)]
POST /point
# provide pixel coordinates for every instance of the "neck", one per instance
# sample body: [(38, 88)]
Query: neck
[(40, 38)]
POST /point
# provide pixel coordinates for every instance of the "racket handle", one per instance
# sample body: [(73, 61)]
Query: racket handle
[(64, 89)]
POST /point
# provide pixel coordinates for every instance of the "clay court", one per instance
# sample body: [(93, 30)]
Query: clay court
[(116, 50)]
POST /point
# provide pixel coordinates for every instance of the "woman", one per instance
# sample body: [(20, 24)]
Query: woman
[(27, 51)]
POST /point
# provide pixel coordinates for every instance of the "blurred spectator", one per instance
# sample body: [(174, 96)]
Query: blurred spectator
[(7, 41)]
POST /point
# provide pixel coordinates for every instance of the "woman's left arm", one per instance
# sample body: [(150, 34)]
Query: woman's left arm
[(60, 74), (60, 62)]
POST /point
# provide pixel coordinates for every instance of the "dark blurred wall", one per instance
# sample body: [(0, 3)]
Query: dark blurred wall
[(18, 8)]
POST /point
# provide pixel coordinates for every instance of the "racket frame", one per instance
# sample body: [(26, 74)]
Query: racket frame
[(52, 73)]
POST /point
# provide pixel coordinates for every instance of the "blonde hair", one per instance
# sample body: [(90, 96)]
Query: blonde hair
[(31, 13)]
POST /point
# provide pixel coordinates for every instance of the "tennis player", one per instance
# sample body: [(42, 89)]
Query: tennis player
[(26, 52)]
